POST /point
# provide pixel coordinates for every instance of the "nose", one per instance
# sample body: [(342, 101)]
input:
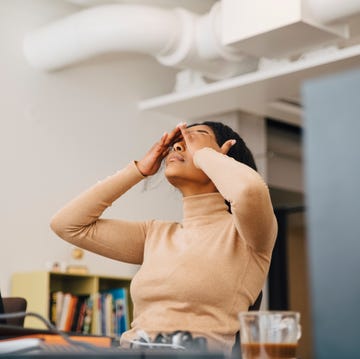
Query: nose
[(178, 147)]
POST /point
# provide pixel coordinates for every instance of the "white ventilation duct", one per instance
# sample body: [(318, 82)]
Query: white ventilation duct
[(175, 37), (330, 11)]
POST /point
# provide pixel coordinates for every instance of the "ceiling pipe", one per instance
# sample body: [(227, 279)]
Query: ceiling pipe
[(174, 37), (331, 11)]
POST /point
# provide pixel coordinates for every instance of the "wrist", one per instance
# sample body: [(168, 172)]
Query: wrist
[(138, 166)]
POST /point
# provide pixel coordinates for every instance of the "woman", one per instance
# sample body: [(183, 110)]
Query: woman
[(195, 275)]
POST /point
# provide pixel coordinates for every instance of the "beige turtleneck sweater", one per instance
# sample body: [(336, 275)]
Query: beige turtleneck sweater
[(196, 275)]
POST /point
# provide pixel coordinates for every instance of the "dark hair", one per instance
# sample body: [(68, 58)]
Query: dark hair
[(240, 152)]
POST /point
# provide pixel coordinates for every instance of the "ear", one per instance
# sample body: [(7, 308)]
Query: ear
[(225, 148)]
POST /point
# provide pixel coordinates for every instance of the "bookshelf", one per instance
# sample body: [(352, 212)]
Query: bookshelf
[(37, 287)]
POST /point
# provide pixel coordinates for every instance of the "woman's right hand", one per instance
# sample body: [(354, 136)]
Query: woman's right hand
[(151, 162)]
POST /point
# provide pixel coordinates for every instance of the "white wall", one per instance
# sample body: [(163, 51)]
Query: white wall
[(62, 132)]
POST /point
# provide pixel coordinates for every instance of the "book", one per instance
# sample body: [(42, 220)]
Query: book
[(55, 299), (79, 315), (64, 311), (52, 338), (95, 314), (102, 313), (13, 346), (88, 321), (109, 315), (120, 310), (70, 313)]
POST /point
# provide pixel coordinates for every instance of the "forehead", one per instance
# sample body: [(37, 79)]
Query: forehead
[(201, 128)]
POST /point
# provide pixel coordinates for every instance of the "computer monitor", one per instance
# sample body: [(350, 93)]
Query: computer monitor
[(2, 310), (332, 167)]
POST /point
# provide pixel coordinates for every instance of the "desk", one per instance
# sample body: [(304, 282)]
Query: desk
[(65, 353), (40, 346)]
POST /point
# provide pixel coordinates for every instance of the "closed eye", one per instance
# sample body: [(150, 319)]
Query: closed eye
[(200, 131)]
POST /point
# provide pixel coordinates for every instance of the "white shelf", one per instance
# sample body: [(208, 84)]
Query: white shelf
[(259, 92)]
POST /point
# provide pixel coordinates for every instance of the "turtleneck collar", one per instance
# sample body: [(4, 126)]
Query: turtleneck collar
[(200, 209)]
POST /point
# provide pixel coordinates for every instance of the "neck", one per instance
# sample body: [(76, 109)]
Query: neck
[(200, 210), (191, 187)]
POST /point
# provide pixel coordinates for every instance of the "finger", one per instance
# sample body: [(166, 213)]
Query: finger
[(164, 138), (182, 127), (170, 140), (173, 137), (165, 149), (225, 148), (165, 152), (176, 138), (175, 132)]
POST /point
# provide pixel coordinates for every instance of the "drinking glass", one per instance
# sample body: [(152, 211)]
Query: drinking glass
[(269, 334)]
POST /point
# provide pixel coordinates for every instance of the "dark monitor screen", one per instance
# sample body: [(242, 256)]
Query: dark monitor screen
[(332, 157), (2, 310)]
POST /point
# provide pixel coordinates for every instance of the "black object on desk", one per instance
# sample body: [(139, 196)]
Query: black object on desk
[(12, 305), (2, 310)]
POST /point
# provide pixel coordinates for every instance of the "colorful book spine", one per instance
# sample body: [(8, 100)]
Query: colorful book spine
[(103, 313), (120, 310)]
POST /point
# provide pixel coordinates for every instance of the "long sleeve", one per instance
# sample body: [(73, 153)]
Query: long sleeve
[(79, 223), (247, 193)]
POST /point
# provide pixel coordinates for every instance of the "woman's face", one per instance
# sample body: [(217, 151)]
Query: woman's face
[(180, 169)]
